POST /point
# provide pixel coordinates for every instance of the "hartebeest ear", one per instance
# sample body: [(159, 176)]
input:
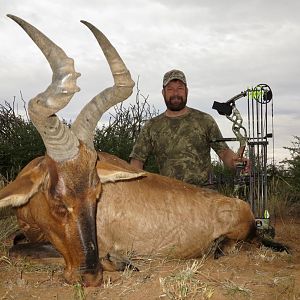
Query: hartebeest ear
[(108, 172), (23, 187)]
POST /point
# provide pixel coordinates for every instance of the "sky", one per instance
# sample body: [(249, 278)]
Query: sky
[(223, 47)]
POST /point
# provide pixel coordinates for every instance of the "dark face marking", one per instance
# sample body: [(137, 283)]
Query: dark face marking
[(72, 195)]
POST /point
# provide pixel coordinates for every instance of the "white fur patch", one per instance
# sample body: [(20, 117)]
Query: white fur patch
[(14, 200), (119, 175)]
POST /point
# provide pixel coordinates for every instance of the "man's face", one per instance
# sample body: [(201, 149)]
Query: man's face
[(175, 95)]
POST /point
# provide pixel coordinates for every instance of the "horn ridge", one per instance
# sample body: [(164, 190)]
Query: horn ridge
[(60, 142)]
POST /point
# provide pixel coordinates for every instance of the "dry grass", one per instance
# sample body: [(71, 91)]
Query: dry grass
[(79, 293), (184, 283), (234, 289), (3, 181), (194, 283), (264, 254), (268, 276), (8, 226), (255, 275)]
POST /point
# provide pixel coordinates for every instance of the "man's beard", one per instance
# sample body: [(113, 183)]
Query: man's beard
[(176, 103)]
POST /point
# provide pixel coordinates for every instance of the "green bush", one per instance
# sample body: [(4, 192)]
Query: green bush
[(293, 165), (20, 141)]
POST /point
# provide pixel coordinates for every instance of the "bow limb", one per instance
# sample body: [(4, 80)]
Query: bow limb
[(239, 130)]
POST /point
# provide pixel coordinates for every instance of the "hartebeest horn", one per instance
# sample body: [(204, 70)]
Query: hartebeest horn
[(88, 118), (60, 142)]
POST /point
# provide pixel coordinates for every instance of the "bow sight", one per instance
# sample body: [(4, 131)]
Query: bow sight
[(255, 139)]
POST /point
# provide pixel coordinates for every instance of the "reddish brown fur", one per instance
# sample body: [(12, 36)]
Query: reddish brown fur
[(162, 216)]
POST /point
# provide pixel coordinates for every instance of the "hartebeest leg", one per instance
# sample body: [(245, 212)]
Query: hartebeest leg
[(34, 250), (216, 247), (221, 246), (115, 262)]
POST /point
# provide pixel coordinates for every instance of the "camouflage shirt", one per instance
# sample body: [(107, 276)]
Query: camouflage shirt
[(181, 145)]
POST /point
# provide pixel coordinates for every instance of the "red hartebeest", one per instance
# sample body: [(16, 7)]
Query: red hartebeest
[(88, 204)]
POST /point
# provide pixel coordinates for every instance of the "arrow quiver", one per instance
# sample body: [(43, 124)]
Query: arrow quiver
[(255, 139)]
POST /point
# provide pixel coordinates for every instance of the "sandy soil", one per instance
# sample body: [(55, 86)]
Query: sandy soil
[(246, 274)]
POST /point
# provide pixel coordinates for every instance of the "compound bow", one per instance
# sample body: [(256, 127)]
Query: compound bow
[(254, 183)]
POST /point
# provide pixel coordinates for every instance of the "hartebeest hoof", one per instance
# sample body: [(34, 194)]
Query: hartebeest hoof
[(275, 246)]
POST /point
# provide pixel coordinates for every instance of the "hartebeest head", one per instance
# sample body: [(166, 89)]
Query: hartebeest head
[(60, 191)]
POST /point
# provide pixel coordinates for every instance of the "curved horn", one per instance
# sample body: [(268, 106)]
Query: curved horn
[(60, 142), (89, 116)]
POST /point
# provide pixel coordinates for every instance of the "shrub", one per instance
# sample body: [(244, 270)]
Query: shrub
[(293, 164), (20, 141)]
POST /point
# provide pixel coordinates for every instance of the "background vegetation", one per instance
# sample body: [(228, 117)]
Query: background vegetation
[(20, 143)]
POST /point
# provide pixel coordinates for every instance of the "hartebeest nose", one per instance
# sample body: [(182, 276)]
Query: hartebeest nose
[(87, 277)]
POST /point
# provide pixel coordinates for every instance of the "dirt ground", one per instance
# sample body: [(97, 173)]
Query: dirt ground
[(245, 274)]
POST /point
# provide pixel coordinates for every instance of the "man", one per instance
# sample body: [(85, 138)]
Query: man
[(180, 138)]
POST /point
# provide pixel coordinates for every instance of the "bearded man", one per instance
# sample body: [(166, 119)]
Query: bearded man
[(180, 138)]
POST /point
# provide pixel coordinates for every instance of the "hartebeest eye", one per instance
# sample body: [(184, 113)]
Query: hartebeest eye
[(61, 209), (58, 207)]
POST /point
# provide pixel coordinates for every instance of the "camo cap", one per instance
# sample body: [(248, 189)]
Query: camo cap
[(173, 75)]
